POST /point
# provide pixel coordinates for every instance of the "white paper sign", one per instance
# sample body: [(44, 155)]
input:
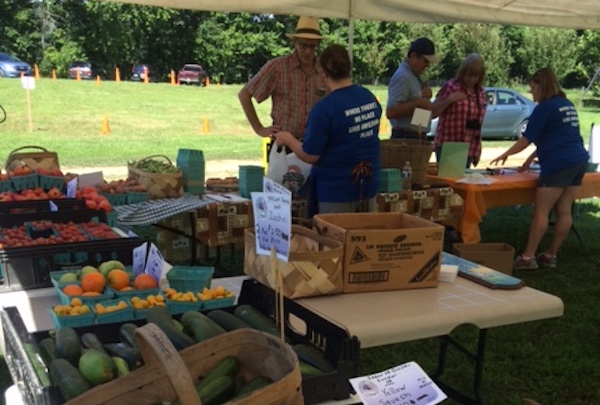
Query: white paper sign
[(72, 188), (155, 263), (270, 186), (272, 223), (28, 82), (404, 384), (90, 179), (139, 258), (421, 118)]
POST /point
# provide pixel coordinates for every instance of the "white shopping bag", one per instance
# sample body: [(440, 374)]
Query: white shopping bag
[(287, 169)]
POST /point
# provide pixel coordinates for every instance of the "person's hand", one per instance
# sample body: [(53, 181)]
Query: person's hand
[(525, 166), (500, 159), (268, 131), (459, 95), (426, 91), (424, 102), (283, 138)]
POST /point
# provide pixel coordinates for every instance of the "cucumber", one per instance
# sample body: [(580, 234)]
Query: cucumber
[(127, 334), (91, 341), (227, 320), (162, 318), (203, 329), (308, 371), (257, 319), (67, 377), (227, 366), (131, 355), (253, 385), (38, 364), (314, 357), (67, 345), (46, 349), (218, 391)]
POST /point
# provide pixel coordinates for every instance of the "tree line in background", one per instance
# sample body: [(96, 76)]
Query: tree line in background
[(233, 46)]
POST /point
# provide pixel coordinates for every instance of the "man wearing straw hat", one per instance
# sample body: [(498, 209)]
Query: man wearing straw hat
[(294, 82)]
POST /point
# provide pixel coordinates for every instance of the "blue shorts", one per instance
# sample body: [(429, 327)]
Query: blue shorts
[(571, 176)]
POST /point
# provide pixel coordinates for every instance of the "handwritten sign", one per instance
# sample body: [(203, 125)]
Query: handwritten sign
[(271, 186), (72, 188), (272, 223), (139, 258), (155, 263), (404, 384)]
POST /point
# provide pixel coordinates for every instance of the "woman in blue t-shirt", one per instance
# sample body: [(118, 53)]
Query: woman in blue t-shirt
[(554, 129), (341, 141)]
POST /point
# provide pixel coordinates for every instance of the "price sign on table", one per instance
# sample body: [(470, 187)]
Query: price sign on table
[(272, 223)]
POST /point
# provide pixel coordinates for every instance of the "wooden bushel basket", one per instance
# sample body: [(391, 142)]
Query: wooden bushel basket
[(40, 158), (168, 375), (314, 267), (159, 185)]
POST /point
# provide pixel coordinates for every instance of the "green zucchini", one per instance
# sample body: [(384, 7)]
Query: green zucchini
[(161, 316), (227, 366), (253, 385), (314, 357), (67, 345), (203, 329), (67, 377), (131, 355), (90, 341), (127, 334), (38, 364), (227, 320), (122, 366), (46, 349), (218, 391), (308, 370), (257, 319)]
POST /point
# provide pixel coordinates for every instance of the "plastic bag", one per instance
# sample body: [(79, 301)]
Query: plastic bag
[(287, 169)]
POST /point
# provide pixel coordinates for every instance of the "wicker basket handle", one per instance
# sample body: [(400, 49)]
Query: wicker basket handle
[(157, 348), (30, 146), (153, 156)]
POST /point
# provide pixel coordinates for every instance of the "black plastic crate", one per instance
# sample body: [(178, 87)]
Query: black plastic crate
[(25, 268), (341, 349), (17, 207), (64, 216)]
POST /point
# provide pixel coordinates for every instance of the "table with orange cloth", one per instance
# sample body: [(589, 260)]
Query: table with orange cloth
[(506, 190)]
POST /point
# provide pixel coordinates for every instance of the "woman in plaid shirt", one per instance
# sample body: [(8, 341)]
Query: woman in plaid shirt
[(461, 106)]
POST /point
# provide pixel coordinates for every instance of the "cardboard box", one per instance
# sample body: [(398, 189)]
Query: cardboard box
[(385, 251), (175, 240), (497, 256)]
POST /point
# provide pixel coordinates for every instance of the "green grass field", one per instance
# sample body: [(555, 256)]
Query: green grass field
[(552, 361)]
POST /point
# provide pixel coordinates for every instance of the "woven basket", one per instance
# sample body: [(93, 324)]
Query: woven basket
[(314, 267), (396, 152), (159, 185), (168, 375), (40, 158)]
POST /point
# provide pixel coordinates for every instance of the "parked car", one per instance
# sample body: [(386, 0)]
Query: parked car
[(191, 74), (87, 70), (506, 115), (11, 66), (138, 72)]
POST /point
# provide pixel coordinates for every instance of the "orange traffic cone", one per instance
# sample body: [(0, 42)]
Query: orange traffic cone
[(207, 81), (105, 126), (172, 78), (205, 126), (53, 74), (97, 80), (117, 75), (36, 72), (78, 77), (146, 79), (383, 129)]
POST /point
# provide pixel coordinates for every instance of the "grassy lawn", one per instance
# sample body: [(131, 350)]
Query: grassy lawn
[(552, 361)]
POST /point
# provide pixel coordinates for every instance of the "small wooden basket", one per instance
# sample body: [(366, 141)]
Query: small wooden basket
[(314, 267), (40, 158), (159, 185), (168, 375)]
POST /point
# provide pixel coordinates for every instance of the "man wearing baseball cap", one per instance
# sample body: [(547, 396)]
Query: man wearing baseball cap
[(294, 82), (407, 91)]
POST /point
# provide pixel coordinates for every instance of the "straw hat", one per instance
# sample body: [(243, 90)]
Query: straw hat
[(307, 28)]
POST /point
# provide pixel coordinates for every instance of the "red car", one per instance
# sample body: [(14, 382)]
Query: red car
[(191, 74)]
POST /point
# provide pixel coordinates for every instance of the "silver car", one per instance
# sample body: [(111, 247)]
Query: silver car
[(506, 115), (11, 66)]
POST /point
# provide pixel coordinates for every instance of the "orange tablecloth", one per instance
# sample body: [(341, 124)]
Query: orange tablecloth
[(512, 189)]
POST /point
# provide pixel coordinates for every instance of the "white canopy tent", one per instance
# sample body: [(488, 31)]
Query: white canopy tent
[(580, 14)]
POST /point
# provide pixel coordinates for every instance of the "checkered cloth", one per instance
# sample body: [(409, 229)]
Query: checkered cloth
[(154, 211)]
